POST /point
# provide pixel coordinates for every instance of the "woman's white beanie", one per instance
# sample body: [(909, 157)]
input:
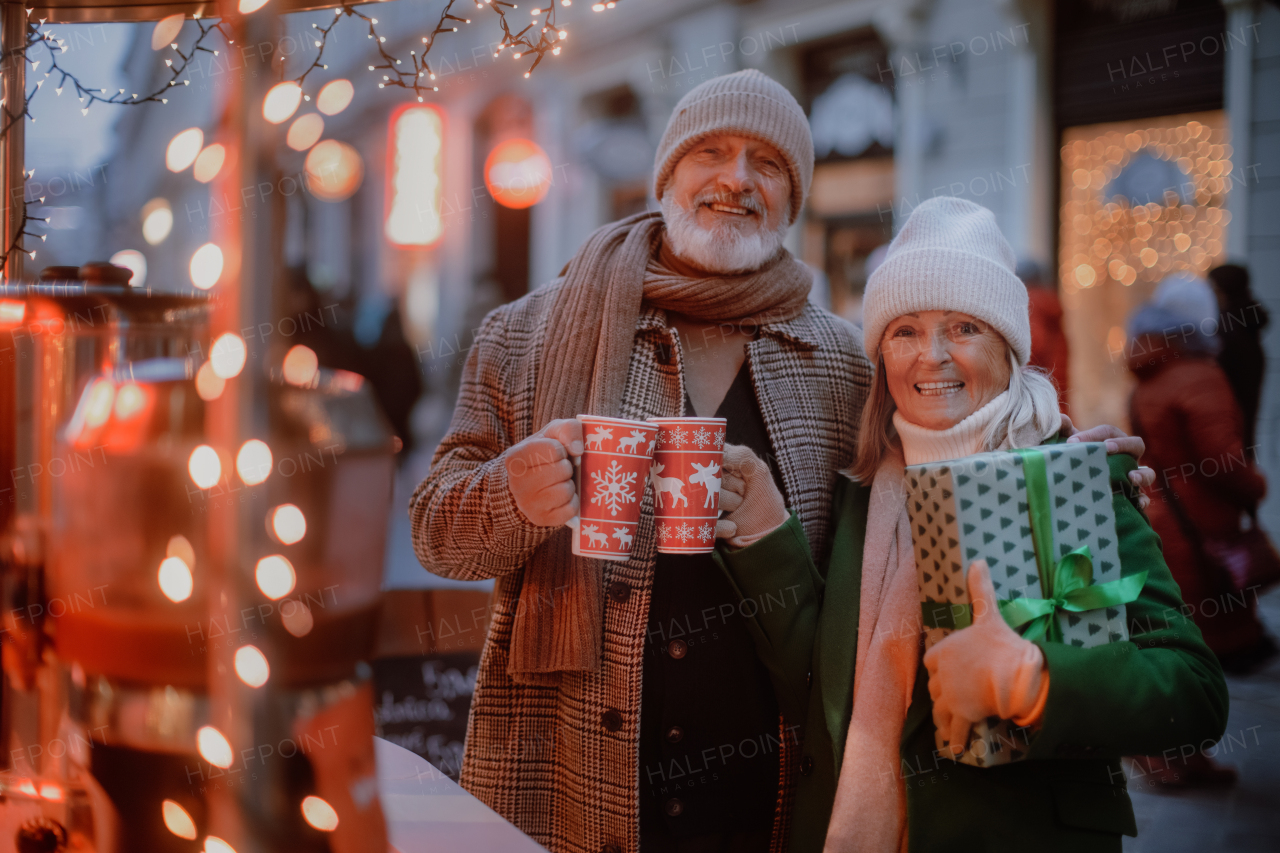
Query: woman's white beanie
[(949, 256)]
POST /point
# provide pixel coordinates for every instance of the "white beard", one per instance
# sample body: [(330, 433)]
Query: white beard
[(725, 250)]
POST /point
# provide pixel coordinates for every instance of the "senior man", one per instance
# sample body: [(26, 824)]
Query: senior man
[(621, 706), (601, 681)]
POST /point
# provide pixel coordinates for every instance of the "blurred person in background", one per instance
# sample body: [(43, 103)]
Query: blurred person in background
[(1241, 321), (1183, 406), (1048, 340), (1240, 331), (379, 351)]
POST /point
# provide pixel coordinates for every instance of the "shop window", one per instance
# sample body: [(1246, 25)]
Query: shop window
[(615, 144), (846, 87), (1140, 200)]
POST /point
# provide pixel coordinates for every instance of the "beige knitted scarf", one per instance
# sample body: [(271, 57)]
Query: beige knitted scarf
[(583, 370), (869, 814)]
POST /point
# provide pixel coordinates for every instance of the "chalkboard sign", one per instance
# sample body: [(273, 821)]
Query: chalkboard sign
[(421, 704)]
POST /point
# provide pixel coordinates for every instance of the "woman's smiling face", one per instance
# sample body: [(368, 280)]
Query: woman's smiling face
[(942, 366)]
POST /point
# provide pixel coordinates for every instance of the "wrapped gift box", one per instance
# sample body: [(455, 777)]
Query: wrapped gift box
[(979, 508)]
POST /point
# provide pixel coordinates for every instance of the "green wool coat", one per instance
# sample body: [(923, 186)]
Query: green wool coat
[(1160, 690)]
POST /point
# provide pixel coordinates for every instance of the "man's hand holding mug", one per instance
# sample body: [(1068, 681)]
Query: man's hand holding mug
[(540, 473)]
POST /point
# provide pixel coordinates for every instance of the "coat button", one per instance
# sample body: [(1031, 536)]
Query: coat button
[(611, 719), (619, 591), (675, 734), (677, 649), (673, 807), (808, 680), (806, 766)]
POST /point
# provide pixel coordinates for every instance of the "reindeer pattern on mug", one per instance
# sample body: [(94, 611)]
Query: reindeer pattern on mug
[(686, 477), (613, 474)]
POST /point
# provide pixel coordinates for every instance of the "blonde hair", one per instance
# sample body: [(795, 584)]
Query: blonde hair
[(1026, 417)]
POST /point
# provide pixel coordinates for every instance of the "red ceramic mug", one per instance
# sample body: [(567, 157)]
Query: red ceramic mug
[(611, 476), (686, 483)]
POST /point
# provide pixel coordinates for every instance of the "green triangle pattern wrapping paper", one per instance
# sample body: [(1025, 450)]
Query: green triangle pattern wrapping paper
[(976, 509)]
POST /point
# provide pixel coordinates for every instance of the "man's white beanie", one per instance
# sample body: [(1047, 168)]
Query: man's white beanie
[(949, 256), (745, 103)]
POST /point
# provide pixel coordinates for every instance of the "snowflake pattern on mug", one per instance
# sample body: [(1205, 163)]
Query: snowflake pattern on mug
[(671, 437), (706, 533), (701, 437), (614, 488)]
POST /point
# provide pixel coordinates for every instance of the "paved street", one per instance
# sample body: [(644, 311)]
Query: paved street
[(1243, 819)]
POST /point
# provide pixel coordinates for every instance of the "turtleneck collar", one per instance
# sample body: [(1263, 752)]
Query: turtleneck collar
[(921, 445)]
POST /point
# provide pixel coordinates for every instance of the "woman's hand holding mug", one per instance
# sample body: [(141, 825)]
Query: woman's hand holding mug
[(752, 505)]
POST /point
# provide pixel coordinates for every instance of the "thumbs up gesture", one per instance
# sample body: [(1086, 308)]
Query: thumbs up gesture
[(984, 670)]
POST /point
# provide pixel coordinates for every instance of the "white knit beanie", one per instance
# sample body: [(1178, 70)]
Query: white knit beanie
[(949, 256), (745, 103)]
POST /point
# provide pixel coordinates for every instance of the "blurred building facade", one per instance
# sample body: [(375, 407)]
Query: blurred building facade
[(1115, 141)]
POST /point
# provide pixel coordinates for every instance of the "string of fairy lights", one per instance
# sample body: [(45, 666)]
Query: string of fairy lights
[(534, 40), (1115, 240), (39, 37)]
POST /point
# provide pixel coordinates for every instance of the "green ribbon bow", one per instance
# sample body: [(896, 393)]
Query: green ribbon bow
[(1067, 584)]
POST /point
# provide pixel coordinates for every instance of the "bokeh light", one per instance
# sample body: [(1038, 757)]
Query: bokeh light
[(297, 618), (183, 149), (248, 7), (334, 170), (304, 132), (252, 666), (301, 365), (176, 580), (214, 747), (180, 546), (130, 399), (214, 844), (517, 173), (166, 31), (281, 102), (135, 262), (288, 524), (335, 96), (319, 814), (209, 385), (275, 576), (98, 403), (253, 462), (157, 221), (178, 821), (227, 355), (209, 163), (206, 266), (204, 466)]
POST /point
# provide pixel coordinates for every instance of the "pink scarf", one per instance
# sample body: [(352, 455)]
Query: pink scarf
[(870, 810)]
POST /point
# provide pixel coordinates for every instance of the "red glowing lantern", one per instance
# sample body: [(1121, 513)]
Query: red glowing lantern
[(517, 173)]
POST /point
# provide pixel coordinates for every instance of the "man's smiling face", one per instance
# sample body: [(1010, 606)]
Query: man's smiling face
[(728, 203), (733, 181)]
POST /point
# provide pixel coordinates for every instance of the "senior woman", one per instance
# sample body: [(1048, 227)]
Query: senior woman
[(947, 325)]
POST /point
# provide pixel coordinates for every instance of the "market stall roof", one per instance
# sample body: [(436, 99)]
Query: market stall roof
[(121, 11)]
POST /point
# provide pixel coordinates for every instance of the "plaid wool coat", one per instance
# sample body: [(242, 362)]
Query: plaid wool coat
[(554, 760)]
